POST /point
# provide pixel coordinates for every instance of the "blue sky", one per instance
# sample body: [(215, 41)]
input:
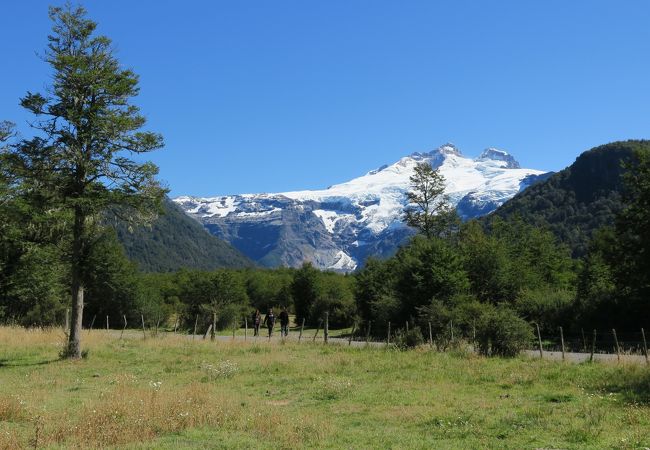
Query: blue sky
[(263, 96)]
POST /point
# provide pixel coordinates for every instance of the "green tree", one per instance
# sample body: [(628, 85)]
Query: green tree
[(629, 259), (427, 269), (428, 208), (85, 125), (304, 290)]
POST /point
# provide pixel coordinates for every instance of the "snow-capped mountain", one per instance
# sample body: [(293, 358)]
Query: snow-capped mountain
[(338, 227)]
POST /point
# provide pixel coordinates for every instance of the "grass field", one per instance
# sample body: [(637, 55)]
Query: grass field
[(171, 392)]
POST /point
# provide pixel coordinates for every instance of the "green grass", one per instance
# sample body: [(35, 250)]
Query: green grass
[(171, 392)]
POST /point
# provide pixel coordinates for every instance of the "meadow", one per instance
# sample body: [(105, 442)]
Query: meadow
[(173, 392)]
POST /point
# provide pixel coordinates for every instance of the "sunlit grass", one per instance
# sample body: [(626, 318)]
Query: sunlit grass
[(172, 392)]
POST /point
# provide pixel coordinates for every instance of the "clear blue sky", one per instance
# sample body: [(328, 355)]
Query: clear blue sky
[(263, 96)]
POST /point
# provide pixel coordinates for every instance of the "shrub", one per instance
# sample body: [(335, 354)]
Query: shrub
[(502, 333), (409, 339)]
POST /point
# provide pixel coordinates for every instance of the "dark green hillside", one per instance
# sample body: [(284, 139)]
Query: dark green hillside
[(176, 241), (576, 201)]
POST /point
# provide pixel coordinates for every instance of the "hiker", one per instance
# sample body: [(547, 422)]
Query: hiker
[(269, 321), (257, 318), (284, 322)]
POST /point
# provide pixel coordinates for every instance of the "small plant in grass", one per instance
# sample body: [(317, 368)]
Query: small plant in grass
[(224, 369)]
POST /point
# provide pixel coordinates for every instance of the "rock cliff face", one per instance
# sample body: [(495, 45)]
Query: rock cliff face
[(339, 227)]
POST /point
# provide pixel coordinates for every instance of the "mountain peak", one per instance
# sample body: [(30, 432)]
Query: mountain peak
[(496, 154), (448, 149)]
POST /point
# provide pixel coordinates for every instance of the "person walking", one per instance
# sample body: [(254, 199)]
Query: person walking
[(269, 321), (284, 322), (257, 318)]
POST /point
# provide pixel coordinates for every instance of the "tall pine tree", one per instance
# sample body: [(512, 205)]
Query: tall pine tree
[(86, 130)]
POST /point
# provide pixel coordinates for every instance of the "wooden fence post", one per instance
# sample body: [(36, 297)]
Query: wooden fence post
[(593, 347), (245, 328), (407, 326), (645, 346), (234, 330), (430, 336), (106, 323), (618, 349), (368, 333), (122, 333), (354, 326), (66, 326), (176, 324), (92, 322), (562, 342), (208, 331), (539, 340), (214, 326), (144, 333), (388, 335), (326, 326), (317, 328), (302, 327), (196, 322)]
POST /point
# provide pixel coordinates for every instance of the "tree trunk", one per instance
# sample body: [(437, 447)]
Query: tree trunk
[(74, 341)]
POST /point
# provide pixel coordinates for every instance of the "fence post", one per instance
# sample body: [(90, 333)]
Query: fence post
[(354, 326), (430, 336), (388, 336), (234, 330), (122, 334), (196, 322), (327, 326), (539, 340), (214, 326), (584, 340), (368, 333), (157, 325), (451, 330), (106, 323), (245, 328), (618, 350), (562, 342), (645, 346), (176, 324), (317, 328), (144, 333), (92, 322), (593, 347), (474, 331), (205, 336), (302, 327)]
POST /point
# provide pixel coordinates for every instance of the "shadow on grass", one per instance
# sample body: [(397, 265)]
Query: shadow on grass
[(25, 363), (632, 385)]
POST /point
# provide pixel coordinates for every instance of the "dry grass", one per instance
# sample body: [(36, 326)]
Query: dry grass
[(171, 392)]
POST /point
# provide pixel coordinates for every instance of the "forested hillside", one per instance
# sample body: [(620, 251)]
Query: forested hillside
[(176, 241), (578, 200)]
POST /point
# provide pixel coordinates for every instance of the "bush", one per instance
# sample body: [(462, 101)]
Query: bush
[(409, 339), (547, 306), (502, 333)]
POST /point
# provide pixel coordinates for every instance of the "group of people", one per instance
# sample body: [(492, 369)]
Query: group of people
[(269, 322)]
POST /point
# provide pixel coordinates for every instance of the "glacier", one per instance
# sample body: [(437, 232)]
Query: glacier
[(339, 227)]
